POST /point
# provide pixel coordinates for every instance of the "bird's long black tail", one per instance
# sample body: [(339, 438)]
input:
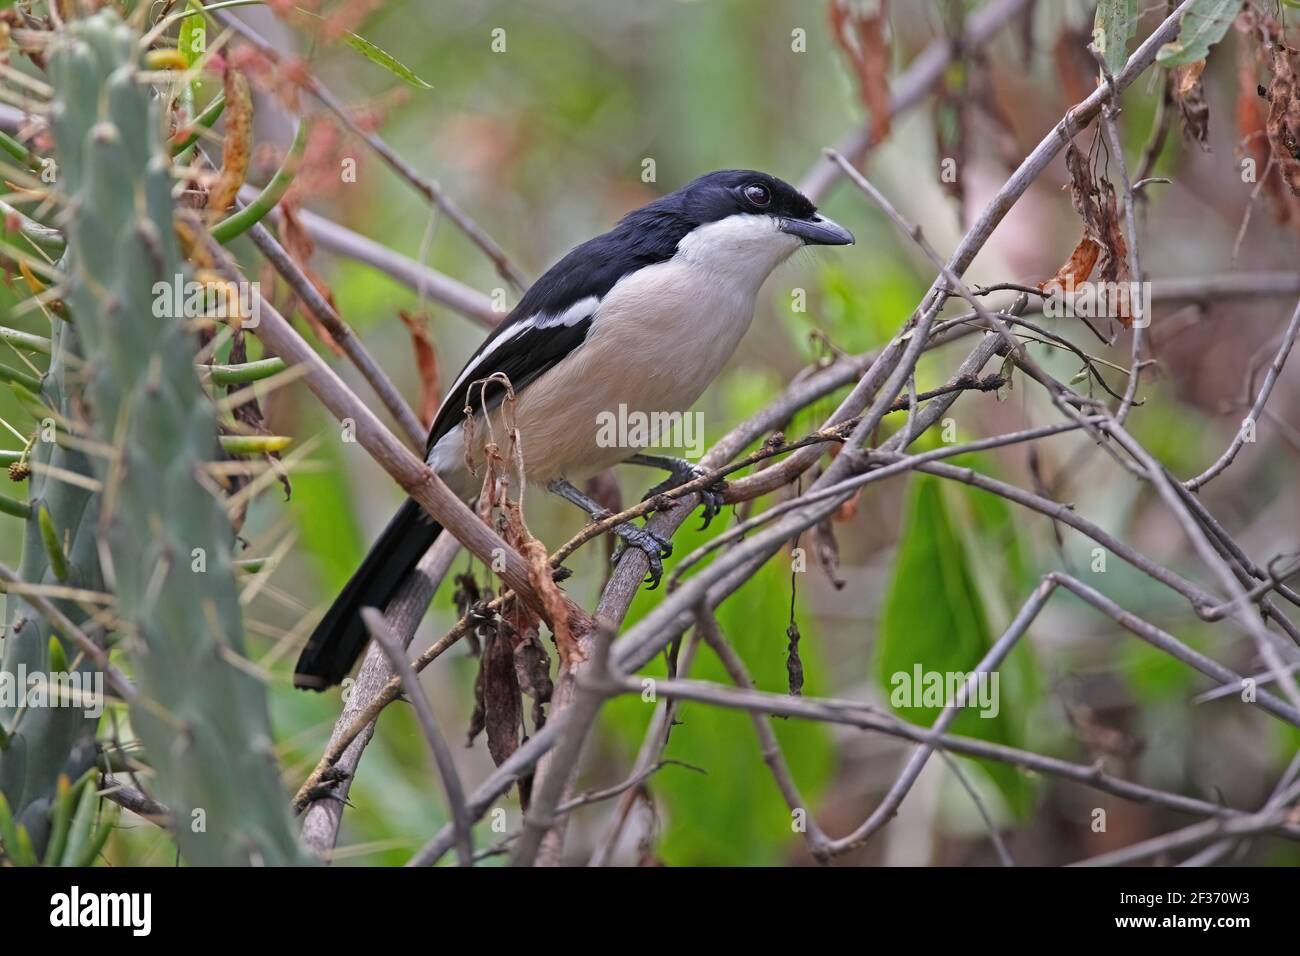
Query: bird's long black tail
[(341, 635)]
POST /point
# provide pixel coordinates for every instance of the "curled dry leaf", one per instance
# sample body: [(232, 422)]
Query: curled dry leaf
[(502, 698), (1112, 263), (1083, 197), (542, 577), (1102, 248), (1189, 95), (496, 479), (1075, 269), (793, 663), (1283, 122), (1187, 76), (513, 527), (1083, 191), (465, 597), (236, 146), (860, 27), (426, 364), (533, 671), (1252, 133)]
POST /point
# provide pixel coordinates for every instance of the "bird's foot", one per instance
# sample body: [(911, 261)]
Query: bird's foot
[(654, 546), (680, 471)]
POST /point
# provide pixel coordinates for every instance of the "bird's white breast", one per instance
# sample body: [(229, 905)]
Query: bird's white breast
[(659, 337)]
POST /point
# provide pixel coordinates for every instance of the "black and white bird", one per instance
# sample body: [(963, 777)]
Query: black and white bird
[(644, 317)]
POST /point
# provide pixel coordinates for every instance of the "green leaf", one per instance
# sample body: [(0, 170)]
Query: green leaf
[(192, 40), (389, 62), (937, 619), (1112, 30), (69, 795), (58, 659), (15, 843), (81, 831), (1202, 26), (53, 547), (99, 836)]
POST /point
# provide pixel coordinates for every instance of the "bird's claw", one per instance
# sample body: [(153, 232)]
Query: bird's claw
[(654, 546), (712, 496)]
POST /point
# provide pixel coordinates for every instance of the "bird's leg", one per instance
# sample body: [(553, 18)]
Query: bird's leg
[(654, 546), (681, 471)]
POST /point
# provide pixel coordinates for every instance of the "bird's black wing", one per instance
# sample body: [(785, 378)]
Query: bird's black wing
[(555, 314)]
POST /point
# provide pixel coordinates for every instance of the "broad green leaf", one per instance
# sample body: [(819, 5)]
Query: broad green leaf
[(389, 62), (938, 618), (1202, 26), (1112, 30)]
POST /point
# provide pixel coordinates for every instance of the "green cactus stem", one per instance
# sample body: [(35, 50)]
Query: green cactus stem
[(202, 718)]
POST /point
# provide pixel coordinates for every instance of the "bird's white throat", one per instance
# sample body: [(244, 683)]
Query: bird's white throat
[(744, 248)]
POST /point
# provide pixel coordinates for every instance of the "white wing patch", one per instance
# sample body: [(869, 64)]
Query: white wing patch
[(582, 309), (480, 365)]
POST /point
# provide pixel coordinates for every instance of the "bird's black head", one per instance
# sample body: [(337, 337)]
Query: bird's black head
[(745, 192), (735, 225)]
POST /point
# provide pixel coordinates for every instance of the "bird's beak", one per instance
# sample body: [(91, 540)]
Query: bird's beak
[(818, 231)]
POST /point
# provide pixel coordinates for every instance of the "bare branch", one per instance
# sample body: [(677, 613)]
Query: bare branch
[(396, 654)]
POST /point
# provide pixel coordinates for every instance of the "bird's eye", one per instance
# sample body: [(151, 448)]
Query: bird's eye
[(758, 194)]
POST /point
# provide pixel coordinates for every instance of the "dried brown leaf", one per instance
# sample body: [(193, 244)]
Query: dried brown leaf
[(860, 29), (533, 672), (502, 698), (426, 364), (1283, 122), (236, 147), (1083, 193), (1075, 269), (1187, 76), (542, 577), (1189, 95), (1112, 264), (1088, 250)]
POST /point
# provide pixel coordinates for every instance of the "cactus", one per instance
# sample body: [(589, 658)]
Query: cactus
[(46, 743), (201, 717)]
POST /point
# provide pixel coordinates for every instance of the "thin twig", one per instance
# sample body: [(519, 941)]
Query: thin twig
[(451, 785)]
